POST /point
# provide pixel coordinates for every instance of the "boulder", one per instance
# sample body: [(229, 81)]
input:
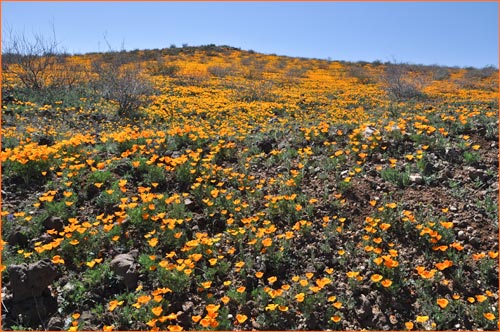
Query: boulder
[(30, 297), (125, 267), (29, 281), (53, 223), (18, 237)]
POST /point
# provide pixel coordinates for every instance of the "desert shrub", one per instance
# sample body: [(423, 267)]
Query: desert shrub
[(122, 83), (440, 73), (294, 75), (480, 73), (221, 71), (257, 91), (358, 71), (161, 68), (480, 78), (402, 82), (38, 68)]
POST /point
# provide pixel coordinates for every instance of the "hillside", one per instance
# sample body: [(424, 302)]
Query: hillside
[(208, 187)]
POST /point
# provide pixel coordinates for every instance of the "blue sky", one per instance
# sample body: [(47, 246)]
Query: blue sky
[(445, 33)]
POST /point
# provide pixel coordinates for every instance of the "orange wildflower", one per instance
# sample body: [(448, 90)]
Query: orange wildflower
[(443, 303), (241, 318)]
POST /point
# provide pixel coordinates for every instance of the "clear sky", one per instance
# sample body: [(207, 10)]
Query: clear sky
[(446, 33)]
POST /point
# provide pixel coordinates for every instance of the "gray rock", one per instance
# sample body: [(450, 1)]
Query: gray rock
[(416, 178), (29, 297), (125, 267), (53, 223), (29, 281), (378, 316), (55, 324), (35, 310), (18, 237), (368, 131), (364, 311)]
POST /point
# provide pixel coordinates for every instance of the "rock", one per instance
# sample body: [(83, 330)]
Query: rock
[(452, 155), (30, 297), (255, 324), (190, 205), (188, 306), (445, 174), (176, 154), (18, 237), (123, 168), (46, 140), (475, 242), (364, 311), (35, 310), (53, 223), (416, 178), (266, 146), (378, 316), (368, 131), (477, 174), (29, 281), (55, 324), (44, 238), (477, 217), (125, 268)]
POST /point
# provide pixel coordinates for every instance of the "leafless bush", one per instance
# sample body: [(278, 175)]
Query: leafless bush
[(258, 91), (295, 74), (221, 71), (358, 71), (122, 82), (480, 73), (480, 78), (161, 68), (38, 62), (255, 67), (402, 82), (440, 73)]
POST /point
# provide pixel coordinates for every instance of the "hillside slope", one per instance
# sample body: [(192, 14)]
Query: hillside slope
[(250, 191)]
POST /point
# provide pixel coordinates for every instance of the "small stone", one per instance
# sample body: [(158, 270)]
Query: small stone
[(416, 178), (475, 241), (368, 131), (187, 306), (55, 324)]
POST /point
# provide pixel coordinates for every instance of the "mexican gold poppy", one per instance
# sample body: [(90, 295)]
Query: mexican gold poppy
[(386, 283), (489, 316), (443, 303), (241, 318)]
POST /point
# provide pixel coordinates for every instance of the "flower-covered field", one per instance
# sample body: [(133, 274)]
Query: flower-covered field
[(253, 191)]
